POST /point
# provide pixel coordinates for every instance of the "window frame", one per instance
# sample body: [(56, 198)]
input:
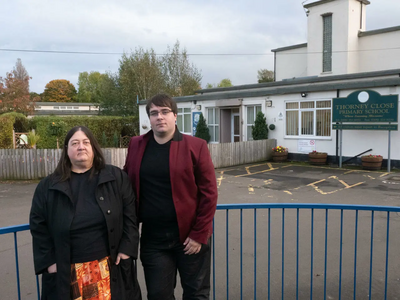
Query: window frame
[(314, 110), (255, 115), (214, 125), (327, 42), (182, 114)]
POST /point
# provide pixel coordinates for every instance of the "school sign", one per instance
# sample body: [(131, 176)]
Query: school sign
[(365, 107)]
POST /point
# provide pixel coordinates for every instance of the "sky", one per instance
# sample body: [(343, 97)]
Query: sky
[(224, 39)]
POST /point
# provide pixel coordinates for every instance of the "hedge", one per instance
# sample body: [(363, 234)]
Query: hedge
[(7, 123), (104, 128)]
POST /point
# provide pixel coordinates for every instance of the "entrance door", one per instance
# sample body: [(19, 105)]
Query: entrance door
[(235, 125)]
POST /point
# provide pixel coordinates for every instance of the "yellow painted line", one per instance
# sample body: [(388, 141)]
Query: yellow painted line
[(269, 165), (250, 188), (219, 180), (348, 172), (350, 186), (384, 174), (263, 171), (316, 182), (247, 170), (344, 183), (287, 192), (269, 181), (333, 177), (369, 176)]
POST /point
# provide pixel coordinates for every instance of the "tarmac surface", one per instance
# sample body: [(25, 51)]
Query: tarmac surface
[(264, 183)]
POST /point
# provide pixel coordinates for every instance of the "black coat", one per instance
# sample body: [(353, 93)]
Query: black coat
[(50, 221)]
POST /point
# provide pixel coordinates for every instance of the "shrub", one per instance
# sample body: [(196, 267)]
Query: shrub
[(260, 127), (202, 130)]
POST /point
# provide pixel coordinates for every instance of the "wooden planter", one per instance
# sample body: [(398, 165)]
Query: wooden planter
[(371, 162), (317, 158), (279, 156)]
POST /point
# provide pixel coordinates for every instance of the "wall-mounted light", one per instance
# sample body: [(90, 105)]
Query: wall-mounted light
[(303, 94), (268, 103), (198, 107)]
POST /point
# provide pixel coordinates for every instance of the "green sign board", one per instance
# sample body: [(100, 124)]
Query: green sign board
[(365, 107), (365, 127)]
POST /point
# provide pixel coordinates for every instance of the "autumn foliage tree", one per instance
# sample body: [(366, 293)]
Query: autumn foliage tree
[(14, 94), (59, 90)]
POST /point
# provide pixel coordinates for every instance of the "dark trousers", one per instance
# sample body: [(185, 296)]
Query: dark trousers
[(161, 259)]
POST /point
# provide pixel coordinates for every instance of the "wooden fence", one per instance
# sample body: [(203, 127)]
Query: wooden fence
[(23, 164)]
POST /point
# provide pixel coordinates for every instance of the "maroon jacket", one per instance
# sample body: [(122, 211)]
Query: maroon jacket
[(193, 182)]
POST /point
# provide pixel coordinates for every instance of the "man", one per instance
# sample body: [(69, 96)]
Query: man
[(174, 180)]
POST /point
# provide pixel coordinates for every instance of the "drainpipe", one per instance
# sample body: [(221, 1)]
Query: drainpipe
[(274, 66), (337, 133)]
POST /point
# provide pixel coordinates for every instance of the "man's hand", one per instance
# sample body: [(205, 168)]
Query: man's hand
[(52, 269), (121, 256), (191, 246)]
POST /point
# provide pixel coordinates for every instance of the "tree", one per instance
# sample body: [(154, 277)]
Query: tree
[(265, 75), (14, 95), (182, 77), (259, 130), (140, 73), (226, 82), (20, 72), (89, 87), (59, 90), (202, 130)]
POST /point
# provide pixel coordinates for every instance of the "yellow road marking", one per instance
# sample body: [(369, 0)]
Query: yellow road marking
[(344, 183), (348, 172), (384, 174), (219, 180), (247, 170), (264, 171), (369, 176), (316, 182), (287, 192), (269, 181), (251, 190)]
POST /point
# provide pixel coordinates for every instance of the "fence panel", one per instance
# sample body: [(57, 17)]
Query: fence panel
[(299, 251), (24, 164)]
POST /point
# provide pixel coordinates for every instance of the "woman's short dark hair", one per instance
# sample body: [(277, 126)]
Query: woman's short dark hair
[(162, 100), (63, 169)]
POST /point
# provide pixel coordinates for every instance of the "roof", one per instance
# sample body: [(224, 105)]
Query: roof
[(378, 31), (304, 45), (299, 85), (64, 112), (66, 104), (366, 2)]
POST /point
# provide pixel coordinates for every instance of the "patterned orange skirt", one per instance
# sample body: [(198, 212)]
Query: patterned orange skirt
[(91, 280)]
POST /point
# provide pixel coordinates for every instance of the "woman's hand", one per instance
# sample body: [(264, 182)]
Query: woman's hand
[(121, 256), (52, 269)]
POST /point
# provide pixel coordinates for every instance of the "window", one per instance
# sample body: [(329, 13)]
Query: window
[(184, 120), (327, 43), (251, 118), (56, 107), (213, 124), (76, 107), (308, 118)]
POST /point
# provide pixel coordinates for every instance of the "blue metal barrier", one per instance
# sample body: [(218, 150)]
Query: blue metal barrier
[(265, 232)]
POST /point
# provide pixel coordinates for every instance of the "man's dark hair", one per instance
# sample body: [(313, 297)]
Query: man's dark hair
[(63, 169), (162, 100)]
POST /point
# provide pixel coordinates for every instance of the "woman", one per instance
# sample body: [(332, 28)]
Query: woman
[(84, 227)]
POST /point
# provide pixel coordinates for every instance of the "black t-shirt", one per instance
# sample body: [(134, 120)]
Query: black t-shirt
[(156, 206), (89, 240)]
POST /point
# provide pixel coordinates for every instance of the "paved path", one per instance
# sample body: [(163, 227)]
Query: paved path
[(256, 183)]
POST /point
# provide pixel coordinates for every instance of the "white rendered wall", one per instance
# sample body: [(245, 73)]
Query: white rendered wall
[(354, 142), (291, 63), (373, 59)]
